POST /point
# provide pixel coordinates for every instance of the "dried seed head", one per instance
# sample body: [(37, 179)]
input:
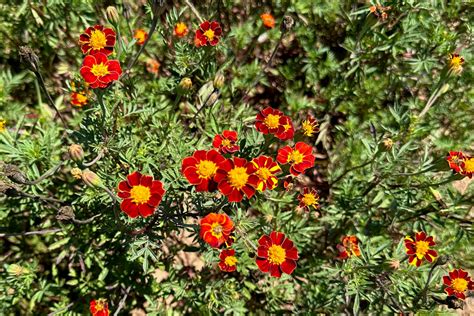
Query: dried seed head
[(29, 57), (14, 174), (65, 213), (76, 173), (287, 23), (91, 178), (388, 143), (76, 152), (112, 15)]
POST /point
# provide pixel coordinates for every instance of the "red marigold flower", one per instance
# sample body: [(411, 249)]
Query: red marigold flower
[(309, 198), (99, 307), (98, 71), (467, 167), (288, 129), (141, 36), (455, 158), (141, 194), (300, 157), (226, 142), (268, 20), (266, 171), (419, 248), (97, 39), (216, 229), (228, 261), (200, 169), (180, 30), (208, 33), (276, 254), (236, 177), (458, 282), (309, 126), (270, 121), (349, 247), (79, 99)]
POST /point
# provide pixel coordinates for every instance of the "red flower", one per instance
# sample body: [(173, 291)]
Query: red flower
[(228, 261), (349, 247), (180, 30), (97, 39), (141, 36), (458, 282), (236, 177), (99, 307), (273, 121), (141, 194), (216, 229), (276, 254), (268, 20), (455, 158), (78, 99), (208, 33), (266, 171), (226, 143), (98, 71), (467, 167), (308, 199), (420, 248), (201, 168), (300, 157)]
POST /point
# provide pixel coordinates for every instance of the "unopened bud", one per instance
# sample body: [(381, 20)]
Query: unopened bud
[(76, 152), (186, 84), (112, 15), (444, 88), (76, 173), (219, 80), (29, 57), (91, 178)]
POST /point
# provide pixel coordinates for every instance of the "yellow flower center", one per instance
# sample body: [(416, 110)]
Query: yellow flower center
[(421, 248), (238, 177), (276, 254), (140, 194), (2, 125), (100, 70), (99, 305), (456, 62), (469, 165), (97, 39), (206, 169), (459, 285), (180, 28), (81, 98), (272, 121), (296, 157), (309, 199), (216, 230), (209, 34), (230, 261), (140, 36), (308, 128), (226, 143), (263, 173)]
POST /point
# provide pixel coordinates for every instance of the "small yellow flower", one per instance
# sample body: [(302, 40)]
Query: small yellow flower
[(2, 125), (455, 63)]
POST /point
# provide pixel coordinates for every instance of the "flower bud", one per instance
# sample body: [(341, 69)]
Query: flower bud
[(219, 80), (112, 15), (186, 84), (388, 143), (91, 178), (76, 173), (76, 152)]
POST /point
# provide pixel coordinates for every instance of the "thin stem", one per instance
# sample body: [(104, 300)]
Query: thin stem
[(94, 161), (48, 97), (195, 11), (48, 173), (61, 310), (122, 301), (85, 221), (36, 232)]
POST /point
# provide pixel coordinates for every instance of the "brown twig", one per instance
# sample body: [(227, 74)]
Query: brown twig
[(36, 232)]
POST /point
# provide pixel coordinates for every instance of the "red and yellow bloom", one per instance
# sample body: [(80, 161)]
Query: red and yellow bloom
[(349, 247), (457, 283), (419, 248), (455, 158), (266, 171), (276, 254), (153, 66), (236, 177), (455, 63), (97, 39), (200, 169), (208, 33), (300, 157), (228, 262), (226, 142), (309, 199), (98, 71), (273, 121), (216, 229), (99, 307), (467, 167), (141, 194), (180, 30), (79, 99), (140, 36), (309, 126), (268, 20)]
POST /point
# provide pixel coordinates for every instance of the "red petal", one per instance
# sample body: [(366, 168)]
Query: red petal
[(145, 210), (275, 270), (133, 179), (265, 240), (263, 264), (446, 280), (277, 237), (205, 25), (123, 186), (131, 209), (288, 266)]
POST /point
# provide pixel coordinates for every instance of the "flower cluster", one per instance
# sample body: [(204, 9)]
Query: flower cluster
[(97, 43), (461, 163)]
